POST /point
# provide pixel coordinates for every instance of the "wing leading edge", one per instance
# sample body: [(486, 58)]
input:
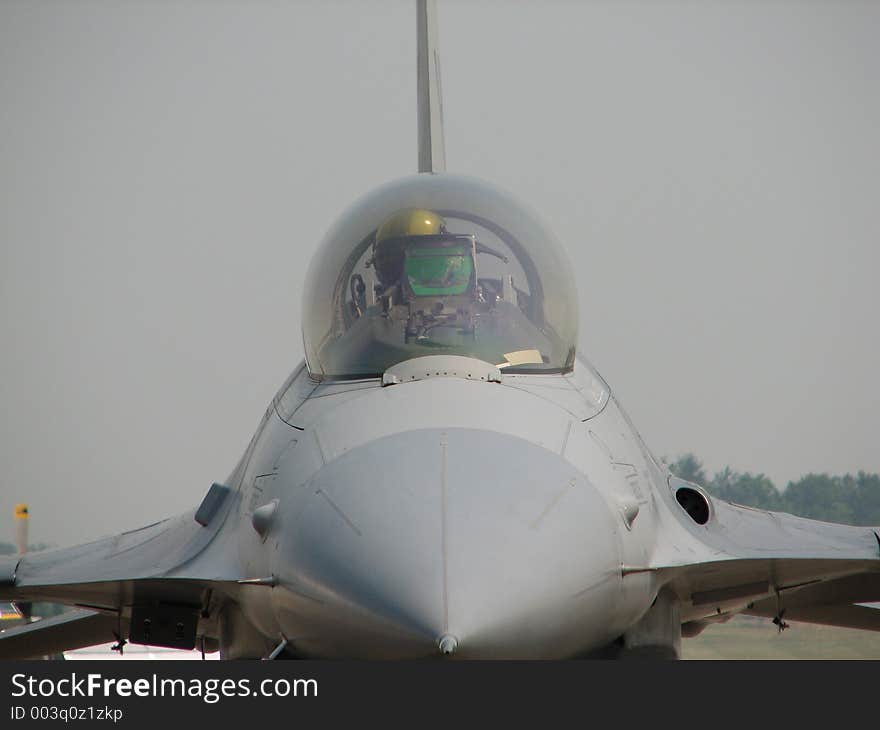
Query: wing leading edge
[(143, 584), (745, 560)]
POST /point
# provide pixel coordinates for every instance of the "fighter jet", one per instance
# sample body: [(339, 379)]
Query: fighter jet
[(444, 476)]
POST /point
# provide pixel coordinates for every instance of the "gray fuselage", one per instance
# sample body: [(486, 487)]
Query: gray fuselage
[(501, 516)]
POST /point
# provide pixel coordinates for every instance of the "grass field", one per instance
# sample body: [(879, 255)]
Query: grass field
[(746, 637)]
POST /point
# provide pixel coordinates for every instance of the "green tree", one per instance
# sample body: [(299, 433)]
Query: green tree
[(751, 490), (866, 507), (822, 497), (689, 468)]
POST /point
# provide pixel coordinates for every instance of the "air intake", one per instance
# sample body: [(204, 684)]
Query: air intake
[(694, 503)]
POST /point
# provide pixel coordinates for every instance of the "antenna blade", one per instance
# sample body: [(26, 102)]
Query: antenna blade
[(432, 152)]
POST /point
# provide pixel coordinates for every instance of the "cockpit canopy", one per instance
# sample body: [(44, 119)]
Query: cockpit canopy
[(434, 265)]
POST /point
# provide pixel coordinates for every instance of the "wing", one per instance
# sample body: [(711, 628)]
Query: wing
[(70, 630), (154, 584), (721, 558)]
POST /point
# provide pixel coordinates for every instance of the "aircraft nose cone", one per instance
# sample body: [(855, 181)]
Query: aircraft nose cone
[(447, 644), (456, 542)]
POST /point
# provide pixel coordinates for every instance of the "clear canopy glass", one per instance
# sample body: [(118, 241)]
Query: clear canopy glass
[(438, 264)]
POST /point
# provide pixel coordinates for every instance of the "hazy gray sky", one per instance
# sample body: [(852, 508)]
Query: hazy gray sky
[(168, 168)]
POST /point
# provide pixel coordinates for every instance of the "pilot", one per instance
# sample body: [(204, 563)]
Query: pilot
[(397, 232), (415, 255)]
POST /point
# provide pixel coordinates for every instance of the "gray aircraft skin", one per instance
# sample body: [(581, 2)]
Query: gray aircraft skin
[(444, 477)]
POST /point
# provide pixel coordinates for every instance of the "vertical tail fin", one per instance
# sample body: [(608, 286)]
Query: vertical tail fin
[(432, 152)]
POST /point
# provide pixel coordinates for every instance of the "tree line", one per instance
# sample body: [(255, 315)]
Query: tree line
[(850, 499)]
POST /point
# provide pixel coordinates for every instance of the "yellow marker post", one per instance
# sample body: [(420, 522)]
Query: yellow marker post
[(21, 527)]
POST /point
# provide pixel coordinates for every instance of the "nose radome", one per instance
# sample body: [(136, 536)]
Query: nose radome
[(453, 542)]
